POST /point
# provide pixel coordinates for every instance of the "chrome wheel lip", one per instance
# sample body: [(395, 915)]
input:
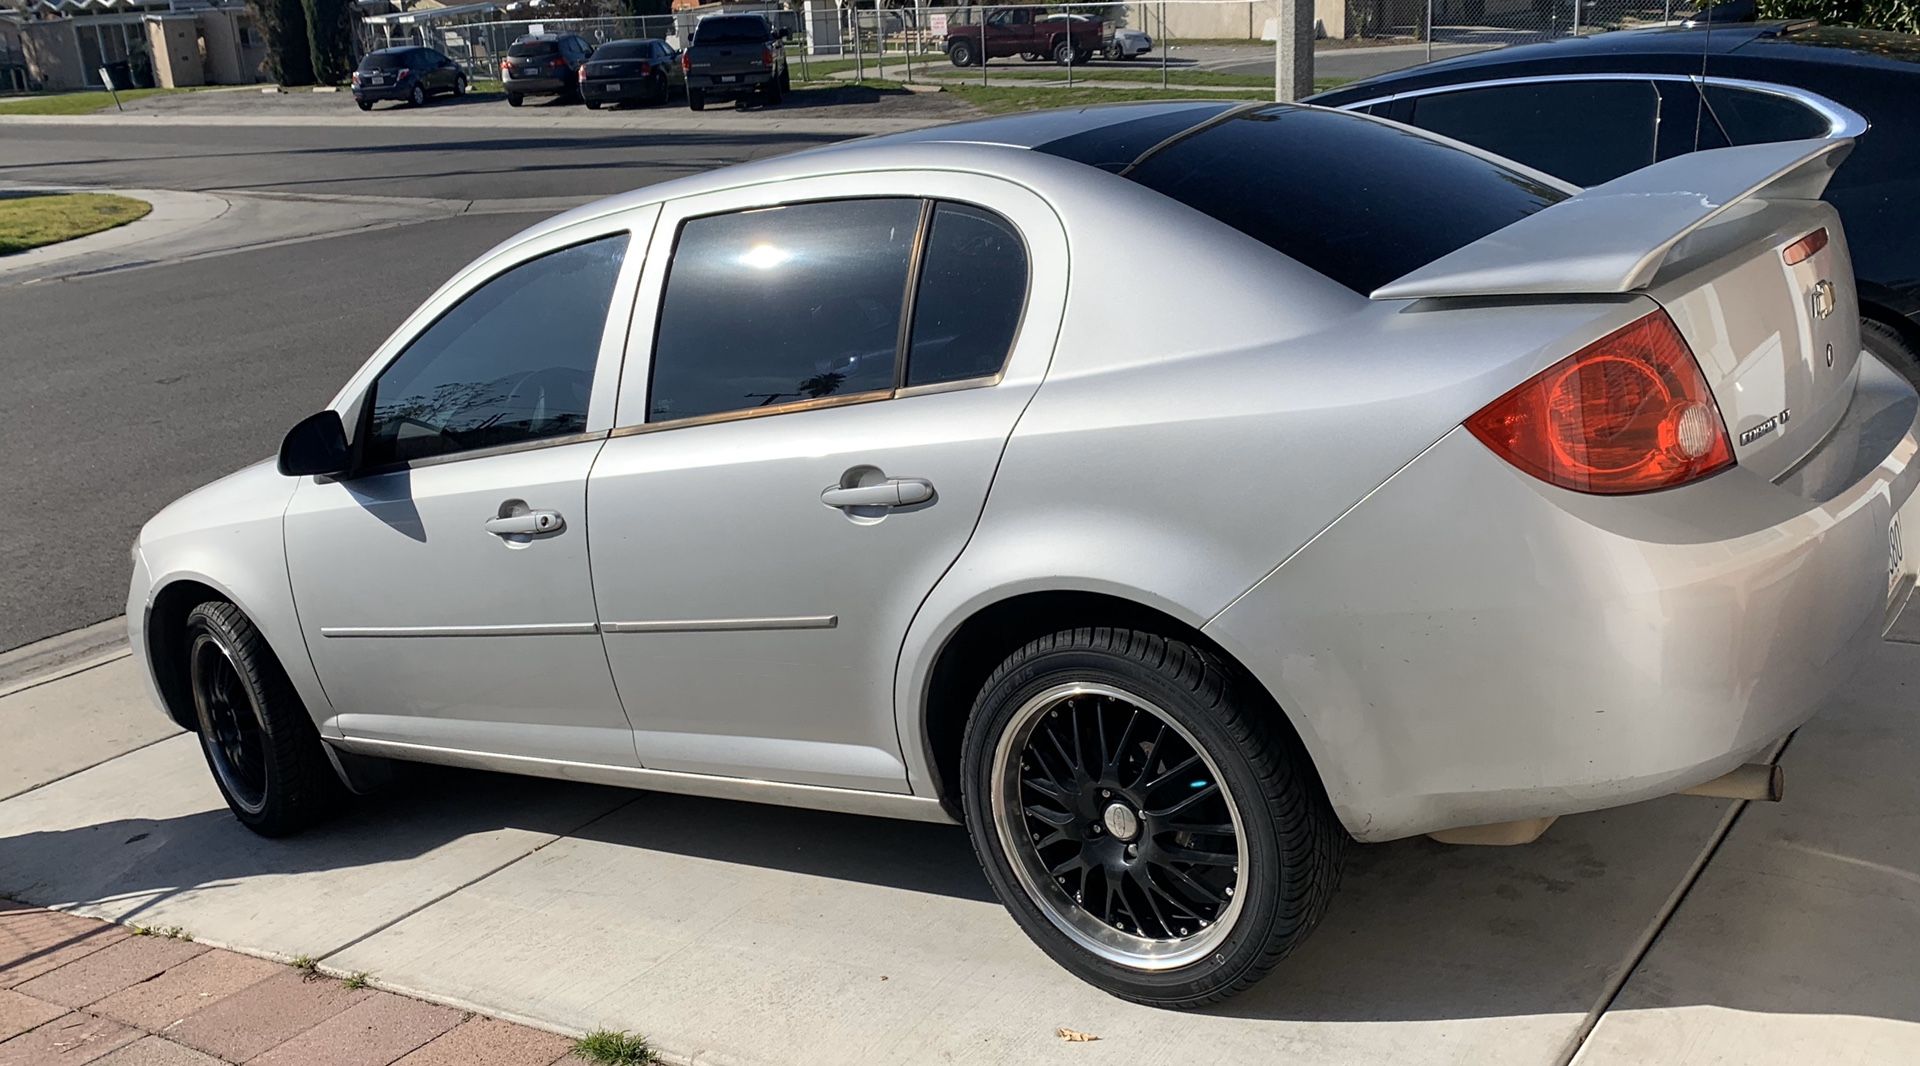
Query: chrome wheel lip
[(1060, 909), (249, 797)]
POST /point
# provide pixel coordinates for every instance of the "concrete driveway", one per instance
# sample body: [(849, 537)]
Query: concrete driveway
[(1677, 931)]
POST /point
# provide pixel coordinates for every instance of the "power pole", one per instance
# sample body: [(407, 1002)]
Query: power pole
[(1293, 51)]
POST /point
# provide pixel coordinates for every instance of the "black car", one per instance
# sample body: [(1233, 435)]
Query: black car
[(543, 64), (642, 69), (1589, 109), (410, 74), (735, 55)]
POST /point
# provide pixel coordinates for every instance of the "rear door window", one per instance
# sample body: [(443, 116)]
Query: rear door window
[(782, 305), (1583, 131), (972, 291)]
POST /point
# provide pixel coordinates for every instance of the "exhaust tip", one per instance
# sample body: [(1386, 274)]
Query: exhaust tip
[(1763, 782)]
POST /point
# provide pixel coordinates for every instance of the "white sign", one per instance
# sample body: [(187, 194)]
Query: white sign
[(536, 27)]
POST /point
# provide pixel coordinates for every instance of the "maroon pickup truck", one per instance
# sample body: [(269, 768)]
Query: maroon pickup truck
[(1021, 31)]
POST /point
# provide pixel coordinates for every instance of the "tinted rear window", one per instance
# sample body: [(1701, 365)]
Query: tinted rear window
[(1360, 201), (386, 61), (624, 50), (730, 29), (529, 49)]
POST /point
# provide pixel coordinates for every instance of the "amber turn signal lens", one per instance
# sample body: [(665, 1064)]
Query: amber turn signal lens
[(1630, 412), (1803, 249)]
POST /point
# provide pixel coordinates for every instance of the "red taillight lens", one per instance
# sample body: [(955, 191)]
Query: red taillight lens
[(1630, 412), (402, 74), (557, 62), (686, 63), (356, 77), (766, 55), (1803, 249), (505, 66)]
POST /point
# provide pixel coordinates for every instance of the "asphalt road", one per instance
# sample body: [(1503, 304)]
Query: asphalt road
[(126, 389)]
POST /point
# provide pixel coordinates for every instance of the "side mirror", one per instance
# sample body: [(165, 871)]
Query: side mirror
[(317, 444)]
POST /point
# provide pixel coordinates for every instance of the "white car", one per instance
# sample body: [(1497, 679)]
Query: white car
[(894, 478), (1128, 44)]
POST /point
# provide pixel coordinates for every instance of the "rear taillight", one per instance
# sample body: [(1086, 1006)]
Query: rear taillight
[(504, 67), (766, 55), (686, 63), (402, 74), (558, 62), (1630, 412), (356, 77), (583, 75), (1804, 248)]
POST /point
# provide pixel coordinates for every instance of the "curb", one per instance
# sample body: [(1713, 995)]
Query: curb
[(173, 212)]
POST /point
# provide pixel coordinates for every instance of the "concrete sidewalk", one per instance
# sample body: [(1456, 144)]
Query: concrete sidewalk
[(1682, 930)]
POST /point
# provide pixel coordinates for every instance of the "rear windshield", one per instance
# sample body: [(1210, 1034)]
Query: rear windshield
[(1358, 200), (731, 29), (624, 50), (529, 49), (386, 61)]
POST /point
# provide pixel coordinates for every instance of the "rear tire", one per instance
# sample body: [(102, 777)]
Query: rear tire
[(1892, 348), (771, 93), (256, 735), (365, 105), (460, 85), (593, 105), (1192, 769), (514, 99), (418, 97), (697, 99)]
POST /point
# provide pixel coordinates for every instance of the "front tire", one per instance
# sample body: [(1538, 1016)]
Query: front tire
[(1145, 816), (258, 739), (960, 54), (1064, 54)]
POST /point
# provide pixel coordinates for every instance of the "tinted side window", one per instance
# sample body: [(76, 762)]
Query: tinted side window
[(1585, 132), (511, 362), (1759, 118), (786, 304), (973, 288)]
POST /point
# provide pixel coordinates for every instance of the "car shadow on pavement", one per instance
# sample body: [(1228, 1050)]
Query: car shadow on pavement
[(1417, 931)]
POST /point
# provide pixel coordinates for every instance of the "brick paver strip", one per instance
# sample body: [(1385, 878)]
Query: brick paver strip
[(162, 1003), (112, 968), (156, 1051), (490, 1041), (33, 942), (19, 1013), (373, 1032), (68, 1040), (252, 1020)]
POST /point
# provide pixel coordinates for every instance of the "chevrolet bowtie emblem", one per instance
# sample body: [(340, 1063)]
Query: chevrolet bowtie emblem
[(1823, 299)]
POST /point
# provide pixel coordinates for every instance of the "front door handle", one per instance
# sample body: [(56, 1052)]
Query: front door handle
[(526, 524), (893, 492)]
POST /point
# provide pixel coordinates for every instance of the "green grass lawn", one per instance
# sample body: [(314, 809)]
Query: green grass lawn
[(32, 221), (80, 103)]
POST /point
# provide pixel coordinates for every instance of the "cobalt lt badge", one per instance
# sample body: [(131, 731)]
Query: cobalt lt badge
[(1823, 299)]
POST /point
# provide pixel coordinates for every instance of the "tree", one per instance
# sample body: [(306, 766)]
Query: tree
[(1902, 16), (289, 54), (330, 39)]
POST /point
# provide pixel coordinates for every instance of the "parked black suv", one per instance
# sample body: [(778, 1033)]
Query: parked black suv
[(410, 74), (735, 55), (543, 64)]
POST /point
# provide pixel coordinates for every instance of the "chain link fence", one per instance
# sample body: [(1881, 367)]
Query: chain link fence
[(1216, 47)]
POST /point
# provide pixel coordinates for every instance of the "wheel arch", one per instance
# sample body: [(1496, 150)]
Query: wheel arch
[(1890, 317), (165, 633), (991, 631)]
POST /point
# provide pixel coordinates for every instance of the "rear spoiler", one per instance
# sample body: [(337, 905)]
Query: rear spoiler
[(1613, 237)]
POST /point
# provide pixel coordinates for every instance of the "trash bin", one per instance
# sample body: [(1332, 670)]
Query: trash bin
[(119, 75)]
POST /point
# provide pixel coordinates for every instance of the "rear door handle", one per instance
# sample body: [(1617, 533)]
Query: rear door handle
[(893, 492), (526, 524)]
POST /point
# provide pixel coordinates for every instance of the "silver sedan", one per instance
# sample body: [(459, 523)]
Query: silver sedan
[(1362, 485)]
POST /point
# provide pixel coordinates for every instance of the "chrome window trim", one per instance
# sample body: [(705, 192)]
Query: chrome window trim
[(718, 625), (1843, 121), (478, 453)]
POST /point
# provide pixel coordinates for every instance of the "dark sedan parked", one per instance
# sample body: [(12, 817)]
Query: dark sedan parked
[(642, 69), (410, 74), (1589, 109), (543, 64)]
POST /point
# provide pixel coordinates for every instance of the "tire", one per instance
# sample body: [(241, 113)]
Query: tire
[(593, 105), (1271, 844), (786, 79), (418, 97), (460, 85), (365, 105), (1032, 57), (1063, 53), (960, 53), (513, 99), (1892, 348), (257, 737), (697, 99), (770, 93)]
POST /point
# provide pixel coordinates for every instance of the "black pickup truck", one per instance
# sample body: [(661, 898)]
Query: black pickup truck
[(735, 55)]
